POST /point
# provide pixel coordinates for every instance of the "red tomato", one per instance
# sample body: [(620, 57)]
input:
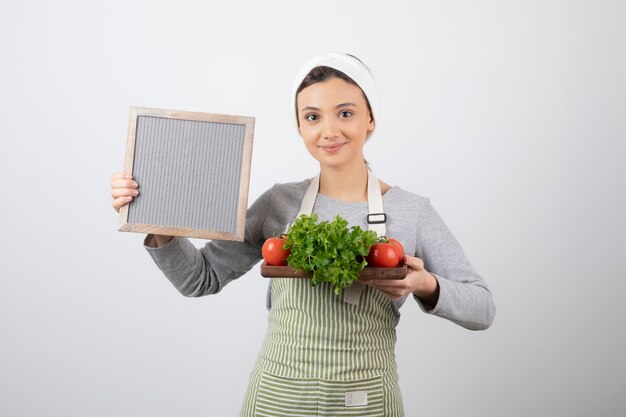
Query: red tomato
[(398, 245), (383, 255), (273, 252)]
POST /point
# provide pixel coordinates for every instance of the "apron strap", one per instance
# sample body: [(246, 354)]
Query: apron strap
[(309, 198), (376, 220)]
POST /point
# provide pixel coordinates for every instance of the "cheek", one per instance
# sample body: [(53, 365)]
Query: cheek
[(308, 133), (357, 131)]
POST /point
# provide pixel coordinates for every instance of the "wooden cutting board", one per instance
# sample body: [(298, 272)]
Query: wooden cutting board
[(269, 271)]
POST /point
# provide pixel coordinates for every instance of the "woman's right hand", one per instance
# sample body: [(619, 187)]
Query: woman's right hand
[(123, 189)]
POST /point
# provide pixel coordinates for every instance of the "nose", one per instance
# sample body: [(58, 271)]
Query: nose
[(331, 130)]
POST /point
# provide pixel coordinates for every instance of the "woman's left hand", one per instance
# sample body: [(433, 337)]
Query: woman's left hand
[(418, 281)]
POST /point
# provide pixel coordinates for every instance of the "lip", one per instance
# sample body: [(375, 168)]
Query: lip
[(332, 148)]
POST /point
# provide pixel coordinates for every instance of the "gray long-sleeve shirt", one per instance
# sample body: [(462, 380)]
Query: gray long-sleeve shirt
[(464, 298)]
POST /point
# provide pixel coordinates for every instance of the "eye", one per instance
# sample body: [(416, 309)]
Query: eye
[(345, 114), (311, 117)]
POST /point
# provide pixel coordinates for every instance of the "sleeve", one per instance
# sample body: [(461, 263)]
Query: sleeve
[(464, 297), (198, 272)]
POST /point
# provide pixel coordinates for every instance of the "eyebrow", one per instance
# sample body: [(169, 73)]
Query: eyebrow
[(308, 108)]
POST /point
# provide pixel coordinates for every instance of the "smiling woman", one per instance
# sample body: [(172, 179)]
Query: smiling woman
[(327, 354), (334, 120)]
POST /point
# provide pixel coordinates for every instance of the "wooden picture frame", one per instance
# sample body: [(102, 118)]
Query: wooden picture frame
[(193, 171)]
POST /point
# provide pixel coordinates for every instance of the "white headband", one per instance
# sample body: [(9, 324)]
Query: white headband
[(347, 64)]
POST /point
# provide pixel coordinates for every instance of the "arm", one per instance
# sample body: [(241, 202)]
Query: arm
[(463, 296), (159, 240), (197, 272)]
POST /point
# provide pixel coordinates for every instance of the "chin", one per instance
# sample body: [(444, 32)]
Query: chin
[(335, 162)]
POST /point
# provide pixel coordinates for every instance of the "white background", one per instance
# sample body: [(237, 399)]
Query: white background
[(509, 115)]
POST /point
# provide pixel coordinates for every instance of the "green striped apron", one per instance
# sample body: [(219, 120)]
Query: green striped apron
[(327, 355)]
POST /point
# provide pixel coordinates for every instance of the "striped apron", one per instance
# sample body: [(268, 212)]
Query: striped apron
[(327, 355)]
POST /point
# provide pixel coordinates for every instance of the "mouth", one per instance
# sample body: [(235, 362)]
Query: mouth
[(332, 148)]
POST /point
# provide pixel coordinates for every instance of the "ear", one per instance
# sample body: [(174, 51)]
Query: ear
[(371, 124)]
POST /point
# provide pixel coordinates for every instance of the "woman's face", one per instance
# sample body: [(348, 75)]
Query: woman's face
[(334, 122)]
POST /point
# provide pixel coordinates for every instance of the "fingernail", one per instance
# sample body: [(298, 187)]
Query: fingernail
[(135, 192), (128, 176)]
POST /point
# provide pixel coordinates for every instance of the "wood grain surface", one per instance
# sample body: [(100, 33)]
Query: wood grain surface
[(269, 271)]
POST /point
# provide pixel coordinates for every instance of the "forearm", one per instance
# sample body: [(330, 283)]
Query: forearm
[(162, 240), (463, 297), (468, 304), (428, 290), (182, 264), (157, 241), (197, 272)]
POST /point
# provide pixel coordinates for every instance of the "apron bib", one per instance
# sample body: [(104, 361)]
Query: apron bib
[(327, 355)]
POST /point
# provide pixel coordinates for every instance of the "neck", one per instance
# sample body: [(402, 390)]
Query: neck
[(344, 183)]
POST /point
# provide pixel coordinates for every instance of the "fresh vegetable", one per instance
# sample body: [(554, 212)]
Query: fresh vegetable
[(332, 251), (385, 253), (399, 246), (273, 251)]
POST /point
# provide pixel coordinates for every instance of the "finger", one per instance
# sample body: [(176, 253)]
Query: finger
[(379, 283), (120, 202), (121, 175), (123, 183), (124, 192), (413, 262), (391, 282), (393, 290)]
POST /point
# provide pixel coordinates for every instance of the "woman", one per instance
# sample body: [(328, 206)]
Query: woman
[(324, 354)]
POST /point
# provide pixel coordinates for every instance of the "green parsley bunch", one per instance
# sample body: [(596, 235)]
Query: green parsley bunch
[(332, 251)]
